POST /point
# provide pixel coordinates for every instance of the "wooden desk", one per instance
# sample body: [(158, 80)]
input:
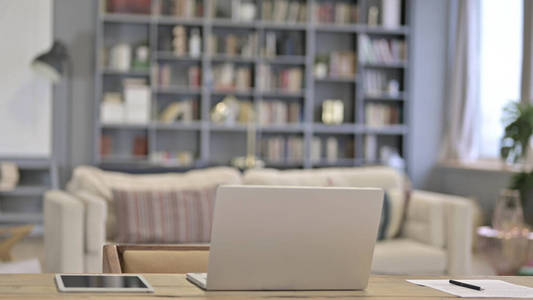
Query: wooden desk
[(42, 286)]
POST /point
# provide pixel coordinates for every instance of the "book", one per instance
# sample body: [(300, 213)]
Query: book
[(137, 103), (316, 149), (140, 145), (294, 10), (371, 145), (9, 175), (266, 10), (332, 149), (378, 114), (279, 149), (229, 78), (194, 76), (381, 50), (106, 145), (288, 79), (278, 112), (337, 12)]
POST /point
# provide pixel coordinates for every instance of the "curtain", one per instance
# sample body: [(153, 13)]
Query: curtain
[(527, 53), (462, 105)]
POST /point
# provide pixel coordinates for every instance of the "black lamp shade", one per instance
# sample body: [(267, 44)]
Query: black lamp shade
[(51, 64)]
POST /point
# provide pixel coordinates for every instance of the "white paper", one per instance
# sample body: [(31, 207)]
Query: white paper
[(491, 288)]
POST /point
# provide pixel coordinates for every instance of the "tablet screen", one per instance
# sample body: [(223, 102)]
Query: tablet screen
[(103, 281)]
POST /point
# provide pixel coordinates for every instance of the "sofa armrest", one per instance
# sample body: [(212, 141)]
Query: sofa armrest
[(443, 221), (63, 233), (95, 228)]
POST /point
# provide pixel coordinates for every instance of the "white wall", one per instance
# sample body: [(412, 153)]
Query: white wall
[(25, 98)]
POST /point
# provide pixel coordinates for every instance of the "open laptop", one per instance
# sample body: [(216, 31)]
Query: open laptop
[(291, 238)]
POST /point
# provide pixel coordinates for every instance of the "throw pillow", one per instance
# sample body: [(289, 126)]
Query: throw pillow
[(183, 216)]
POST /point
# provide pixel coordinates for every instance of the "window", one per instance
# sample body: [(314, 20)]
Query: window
[(501, 58)]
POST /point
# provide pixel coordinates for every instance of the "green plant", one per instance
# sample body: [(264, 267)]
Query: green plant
[(518, 120), (523, 182)]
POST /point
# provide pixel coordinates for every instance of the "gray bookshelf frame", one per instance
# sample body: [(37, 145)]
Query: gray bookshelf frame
[(205, 128)]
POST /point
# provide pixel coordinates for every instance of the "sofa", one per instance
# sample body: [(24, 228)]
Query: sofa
[(432, 232)]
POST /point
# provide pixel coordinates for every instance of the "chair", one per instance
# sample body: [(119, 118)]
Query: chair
[(177, 259), (13, 235)]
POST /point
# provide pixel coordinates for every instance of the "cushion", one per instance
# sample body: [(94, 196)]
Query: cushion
[(183, 216), (101, 183), (382, 177), (376, 176), (425, 221), (163, 261), (404, 256)]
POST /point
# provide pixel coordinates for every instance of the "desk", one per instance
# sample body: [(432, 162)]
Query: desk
[(42, 286)]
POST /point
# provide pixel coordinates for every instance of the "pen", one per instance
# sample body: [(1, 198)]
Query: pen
[(466, 285)]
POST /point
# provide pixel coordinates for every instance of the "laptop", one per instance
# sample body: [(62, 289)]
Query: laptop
[(291, 238)]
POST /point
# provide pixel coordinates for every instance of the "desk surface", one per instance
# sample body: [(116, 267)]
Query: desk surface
[(42, 286)]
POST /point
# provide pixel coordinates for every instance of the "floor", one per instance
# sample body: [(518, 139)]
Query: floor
[(32, 247)]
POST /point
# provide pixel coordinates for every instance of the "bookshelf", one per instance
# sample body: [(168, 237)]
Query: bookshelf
[(23, 204), (373, 94)]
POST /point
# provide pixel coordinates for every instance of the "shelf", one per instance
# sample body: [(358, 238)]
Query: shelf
[(126, 18), (179, 90), (282, 128), (131, 126), (26, 191), (284, 60), (232, 24), (237, 127), (234, 59), (346, 128), (379, 30), (385, 97), (107, 71), (21, 217), (280, 94), (36, 163), (194, 125), (376, 65), (156, 27), (124, 159), (331, 79), (172, 20), (272, 25), (168, 55), (235, 93), (340, 162), (283, 164), (386, 130), (350, 28)]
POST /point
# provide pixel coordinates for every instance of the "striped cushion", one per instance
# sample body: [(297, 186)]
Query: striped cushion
[(183, 216)]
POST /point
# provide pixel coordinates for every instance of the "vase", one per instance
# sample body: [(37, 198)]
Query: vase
[(508, 213)]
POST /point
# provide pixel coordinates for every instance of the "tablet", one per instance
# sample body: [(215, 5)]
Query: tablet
[(131, 283)]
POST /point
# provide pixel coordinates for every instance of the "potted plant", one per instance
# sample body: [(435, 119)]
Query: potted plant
[(514, 146)]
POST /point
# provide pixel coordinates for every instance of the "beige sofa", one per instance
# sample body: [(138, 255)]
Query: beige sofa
[(436, 235)]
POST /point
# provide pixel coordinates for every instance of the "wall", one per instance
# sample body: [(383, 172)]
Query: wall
[(25, 97), (427, 86), (482, 185), (75, 25)]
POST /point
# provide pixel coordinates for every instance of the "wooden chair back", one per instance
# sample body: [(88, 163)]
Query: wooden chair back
[(176, 259)]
